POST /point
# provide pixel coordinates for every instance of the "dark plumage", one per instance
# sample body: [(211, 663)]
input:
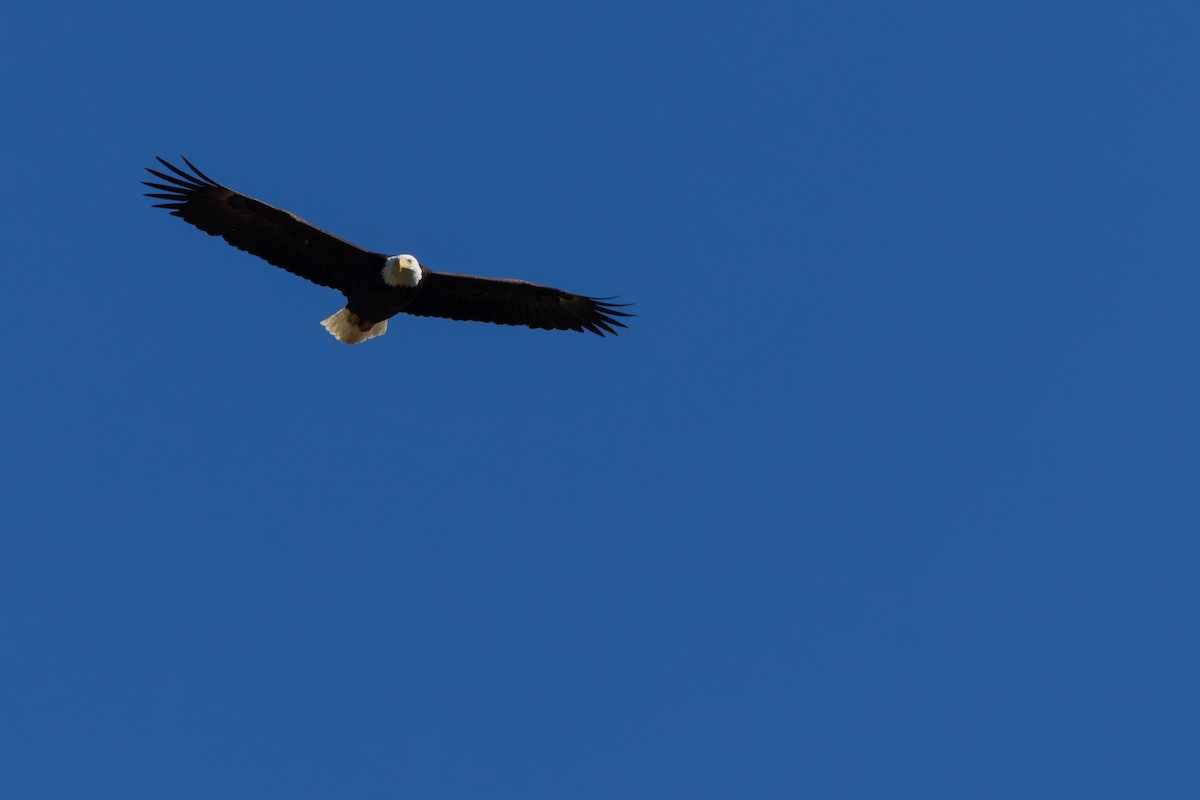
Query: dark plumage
[(376, 286)]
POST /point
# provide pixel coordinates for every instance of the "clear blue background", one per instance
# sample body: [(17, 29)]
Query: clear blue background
[(890, 490)]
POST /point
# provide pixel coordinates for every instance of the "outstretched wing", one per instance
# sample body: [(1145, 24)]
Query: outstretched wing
[(508, 302), (274, 235)]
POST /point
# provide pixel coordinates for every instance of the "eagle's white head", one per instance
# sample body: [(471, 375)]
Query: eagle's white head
[(403, 270)]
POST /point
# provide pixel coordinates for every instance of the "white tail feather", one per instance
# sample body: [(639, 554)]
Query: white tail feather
[(347, 327)]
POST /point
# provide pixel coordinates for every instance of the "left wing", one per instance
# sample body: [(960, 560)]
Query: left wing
[(509, 302)]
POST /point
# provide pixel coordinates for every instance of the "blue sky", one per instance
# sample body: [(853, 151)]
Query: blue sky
[(888, 491)]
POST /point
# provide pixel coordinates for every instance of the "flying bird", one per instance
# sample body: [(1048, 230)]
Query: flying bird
[(377, 286)]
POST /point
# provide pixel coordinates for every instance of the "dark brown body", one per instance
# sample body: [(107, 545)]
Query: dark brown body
[(372, 300)]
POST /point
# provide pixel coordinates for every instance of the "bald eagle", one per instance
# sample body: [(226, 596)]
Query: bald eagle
[(377, 286)]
